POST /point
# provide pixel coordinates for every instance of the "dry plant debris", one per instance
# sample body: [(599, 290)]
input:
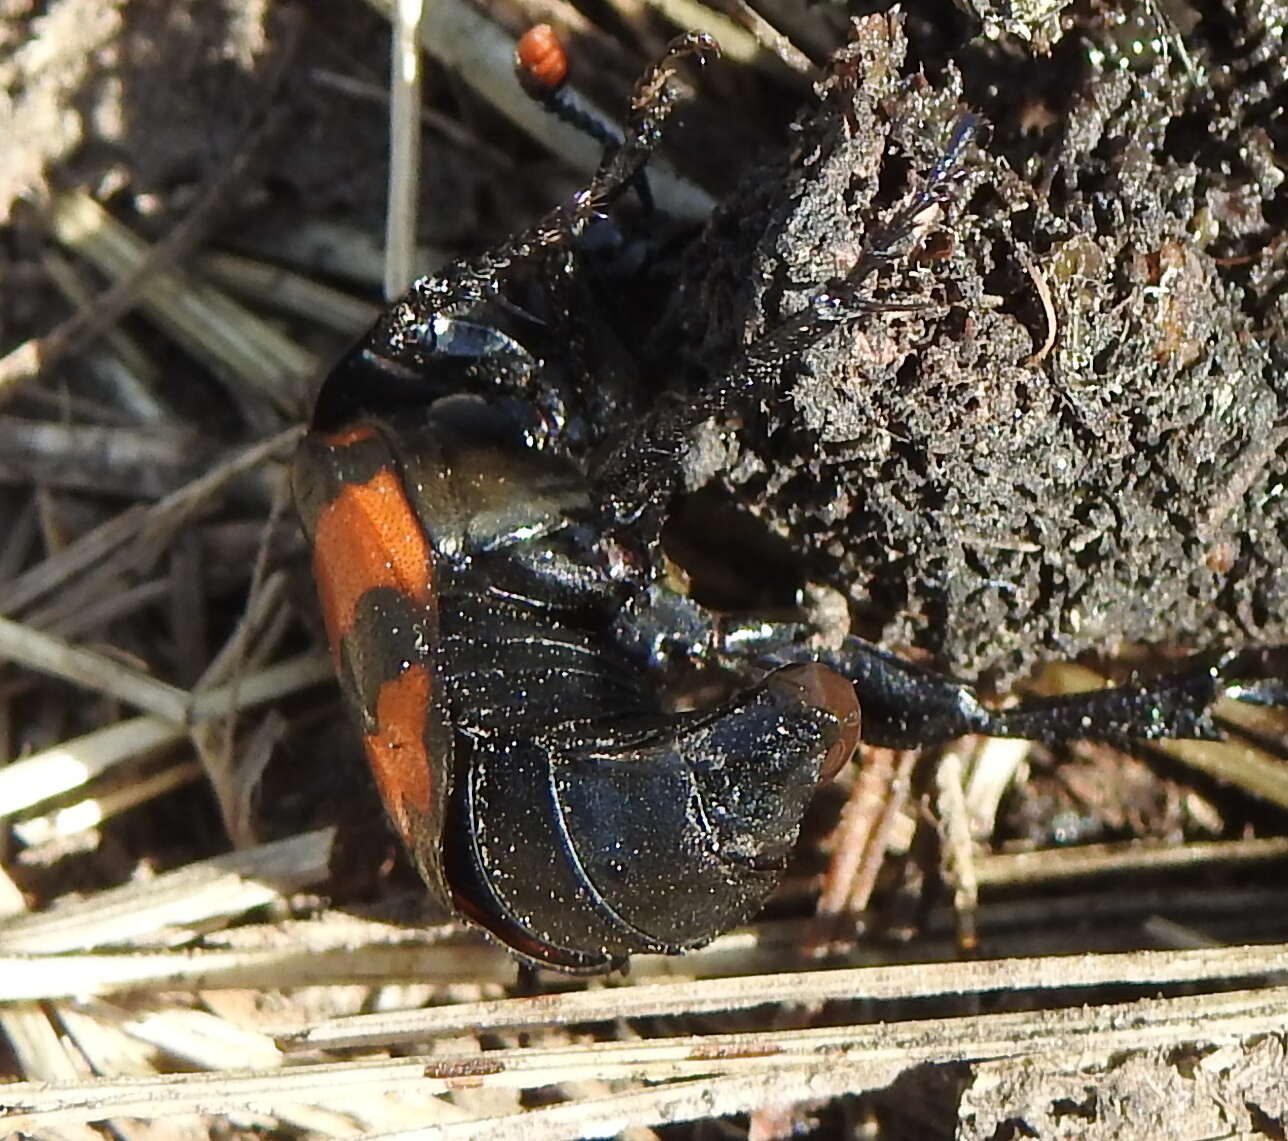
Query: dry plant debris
[(204, 930)]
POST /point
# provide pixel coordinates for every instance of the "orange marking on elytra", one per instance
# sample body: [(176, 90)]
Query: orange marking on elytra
[(396, 751), (368, 537)]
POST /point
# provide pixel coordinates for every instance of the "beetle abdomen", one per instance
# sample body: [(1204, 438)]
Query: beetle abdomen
[(618, 834)]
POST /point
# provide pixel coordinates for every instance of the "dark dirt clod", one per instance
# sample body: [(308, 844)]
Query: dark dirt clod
[(979, 493)]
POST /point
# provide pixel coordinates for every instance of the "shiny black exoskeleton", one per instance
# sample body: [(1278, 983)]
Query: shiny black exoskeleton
[(485, 503)]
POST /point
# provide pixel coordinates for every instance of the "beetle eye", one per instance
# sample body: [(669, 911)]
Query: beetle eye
[(454, 337)]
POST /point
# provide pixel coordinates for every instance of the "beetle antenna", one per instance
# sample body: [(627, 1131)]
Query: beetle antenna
[(655, 97), (651, 105), (541, 66)]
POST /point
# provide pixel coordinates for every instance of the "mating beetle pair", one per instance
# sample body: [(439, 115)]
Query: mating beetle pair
[(485, 509)]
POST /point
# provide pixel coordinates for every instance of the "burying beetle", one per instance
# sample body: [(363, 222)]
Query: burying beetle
[(486, 523)]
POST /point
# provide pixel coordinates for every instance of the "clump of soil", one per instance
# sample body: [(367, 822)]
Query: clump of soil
[(1079, 440)]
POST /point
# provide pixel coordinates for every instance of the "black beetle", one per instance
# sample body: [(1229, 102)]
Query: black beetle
[(487, 555)]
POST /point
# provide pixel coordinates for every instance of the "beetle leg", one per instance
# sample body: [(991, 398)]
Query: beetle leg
[(905, 705), (638, 477), (655, 97), (434, 323)]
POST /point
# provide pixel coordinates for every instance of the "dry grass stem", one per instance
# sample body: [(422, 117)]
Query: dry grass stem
[(73, 763), (137, 378), (289, 292), (227, 338), (774, 40), (74, 664), (93, 811), (860, 1057), (1051, 865), (220, 887), (923, 980), (404, 146)]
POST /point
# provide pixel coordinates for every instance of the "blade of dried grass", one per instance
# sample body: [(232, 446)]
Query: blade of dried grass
[(93, 811), (991, 769), (151, 526), (1245, 766), (137, 379), (75, 613), (165, 518), (811, 988), (289, 292), (956, 852), (1053, 864), (404, 146), (1013, 922), (123, 1041), (69, 765), (773, 39), (234, 777), (454, 131), (48, 575), (736, 42), (12, 901), (204, 1039), (1257, 720), (46, 977), (95, 1028), (232, 342), (75, 664), (18, 540), (221, 887), (40, 1052)]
